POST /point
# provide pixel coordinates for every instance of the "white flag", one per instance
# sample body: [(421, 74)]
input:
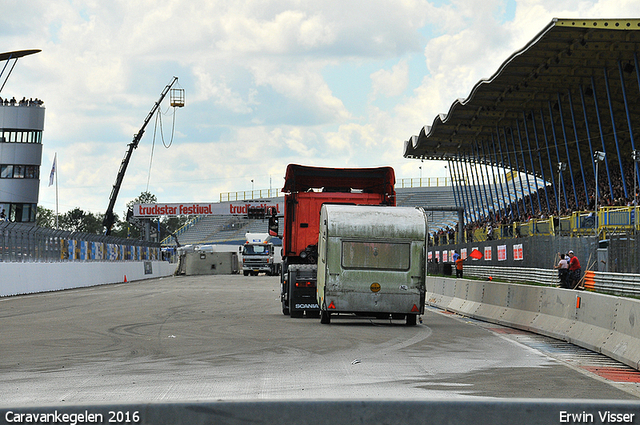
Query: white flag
[(53, 169)]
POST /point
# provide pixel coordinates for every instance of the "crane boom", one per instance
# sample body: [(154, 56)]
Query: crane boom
[(109, 218)]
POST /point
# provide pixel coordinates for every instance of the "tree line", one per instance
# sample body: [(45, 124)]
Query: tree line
[(78, 220)]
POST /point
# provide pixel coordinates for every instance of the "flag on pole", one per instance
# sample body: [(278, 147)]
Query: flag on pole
[(53, 169), (475, 254)]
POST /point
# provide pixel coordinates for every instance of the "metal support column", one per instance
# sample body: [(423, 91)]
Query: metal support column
[(473, 189), (515, 191), (566, 145), (586, 126), (487, 185), (535, 136), (515, 157), (615, 133), (499, 165), (524, 163), (575, 133), (595, 101), (481, 186), (626, 108), (561, 186)]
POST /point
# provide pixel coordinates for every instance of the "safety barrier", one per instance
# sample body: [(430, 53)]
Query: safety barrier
[(336, 412), (610, 283), (513, 274), (19, 279), (598, 322)]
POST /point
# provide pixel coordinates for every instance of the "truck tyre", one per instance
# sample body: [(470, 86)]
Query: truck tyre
[(411, 319), (325, 317), (246, 272), (285, 308)]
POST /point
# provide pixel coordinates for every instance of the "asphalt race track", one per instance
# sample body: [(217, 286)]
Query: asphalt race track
[(209, 338)]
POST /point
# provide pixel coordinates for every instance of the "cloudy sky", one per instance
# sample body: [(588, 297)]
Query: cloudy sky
[(267, 83)]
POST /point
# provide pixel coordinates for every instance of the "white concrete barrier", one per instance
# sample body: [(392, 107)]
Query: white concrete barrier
[(603, 323), (27, 278)]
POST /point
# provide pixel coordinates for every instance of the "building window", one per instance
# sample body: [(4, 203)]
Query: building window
[(6, 171), (20, 136), (22, 213), (13, 171)]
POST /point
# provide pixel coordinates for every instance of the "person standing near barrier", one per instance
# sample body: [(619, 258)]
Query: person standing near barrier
[(575, 272), (563, 270), (459, 262)]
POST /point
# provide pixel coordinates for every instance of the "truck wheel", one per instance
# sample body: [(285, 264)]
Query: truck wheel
[(325, 317), (246, 273), (411, 319), (285, 308)]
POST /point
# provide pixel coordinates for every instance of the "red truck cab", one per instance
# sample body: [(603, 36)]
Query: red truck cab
[(306, 190)]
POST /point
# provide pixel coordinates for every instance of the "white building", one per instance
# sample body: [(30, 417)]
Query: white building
[(21, 126)]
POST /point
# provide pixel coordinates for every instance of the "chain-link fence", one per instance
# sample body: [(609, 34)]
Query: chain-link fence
[(622, 253), (20, 242)]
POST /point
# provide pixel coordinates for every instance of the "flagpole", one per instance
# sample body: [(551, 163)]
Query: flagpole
[(56, 176)]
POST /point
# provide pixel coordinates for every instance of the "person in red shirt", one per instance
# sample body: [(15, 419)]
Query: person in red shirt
[(575, 272)]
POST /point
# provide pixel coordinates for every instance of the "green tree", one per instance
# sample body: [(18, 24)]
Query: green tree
[(77, 220), (45, 218)]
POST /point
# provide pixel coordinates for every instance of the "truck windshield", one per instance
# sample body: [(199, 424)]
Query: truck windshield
[(376, 255), (255, 250)]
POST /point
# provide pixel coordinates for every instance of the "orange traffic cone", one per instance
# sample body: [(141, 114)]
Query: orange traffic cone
[(125, 278)]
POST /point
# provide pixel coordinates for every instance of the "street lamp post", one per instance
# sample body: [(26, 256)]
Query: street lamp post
[(635, 154), (561, 167), (598, 157)]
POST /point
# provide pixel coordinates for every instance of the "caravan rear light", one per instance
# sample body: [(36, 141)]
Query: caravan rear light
[(305, 284)]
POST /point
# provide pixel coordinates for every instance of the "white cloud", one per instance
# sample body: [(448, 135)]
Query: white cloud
[(391, 83), (256, 98)]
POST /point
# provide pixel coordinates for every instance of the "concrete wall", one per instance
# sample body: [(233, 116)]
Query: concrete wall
[(27, 278), (210, 263), (603, 323)]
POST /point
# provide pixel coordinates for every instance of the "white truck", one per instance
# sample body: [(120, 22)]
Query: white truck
[(260, 255), (371, 262)]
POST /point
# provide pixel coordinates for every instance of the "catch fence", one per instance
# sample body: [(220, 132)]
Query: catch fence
[(20, 242)]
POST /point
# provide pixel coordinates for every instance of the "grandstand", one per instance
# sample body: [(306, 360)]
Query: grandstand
[(225, 229)]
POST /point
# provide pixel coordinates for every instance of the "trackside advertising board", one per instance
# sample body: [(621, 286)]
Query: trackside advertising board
[(218, 208)]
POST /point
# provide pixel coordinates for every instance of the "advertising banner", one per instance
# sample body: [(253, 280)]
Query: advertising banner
[(222, 208), (517, 252), (502, 253)]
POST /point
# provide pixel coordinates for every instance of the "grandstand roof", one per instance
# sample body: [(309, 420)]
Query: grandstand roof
[(558, 76), (17, 54)]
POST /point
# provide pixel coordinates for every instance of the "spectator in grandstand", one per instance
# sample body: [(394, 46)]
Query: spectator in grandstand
[(575, 272), (563, 270)]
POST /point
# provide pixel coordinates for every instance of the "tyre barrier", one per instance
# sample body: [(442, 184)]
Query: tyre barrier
[(602, 323)]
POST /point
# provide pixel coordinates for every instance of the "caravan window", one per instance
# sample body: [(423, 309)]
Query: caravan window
[(376, 255)]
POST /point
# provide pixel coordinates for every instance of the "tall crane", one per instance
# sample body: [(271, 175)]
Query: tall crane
[(109, 218)]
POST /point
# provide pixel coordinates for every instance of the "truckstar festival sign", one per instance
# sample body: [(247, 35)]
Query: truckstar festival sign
[(222, 208)]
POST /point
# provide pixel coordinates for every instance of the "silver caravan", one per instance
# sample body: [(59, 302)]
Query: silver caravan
[(371, 261)]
